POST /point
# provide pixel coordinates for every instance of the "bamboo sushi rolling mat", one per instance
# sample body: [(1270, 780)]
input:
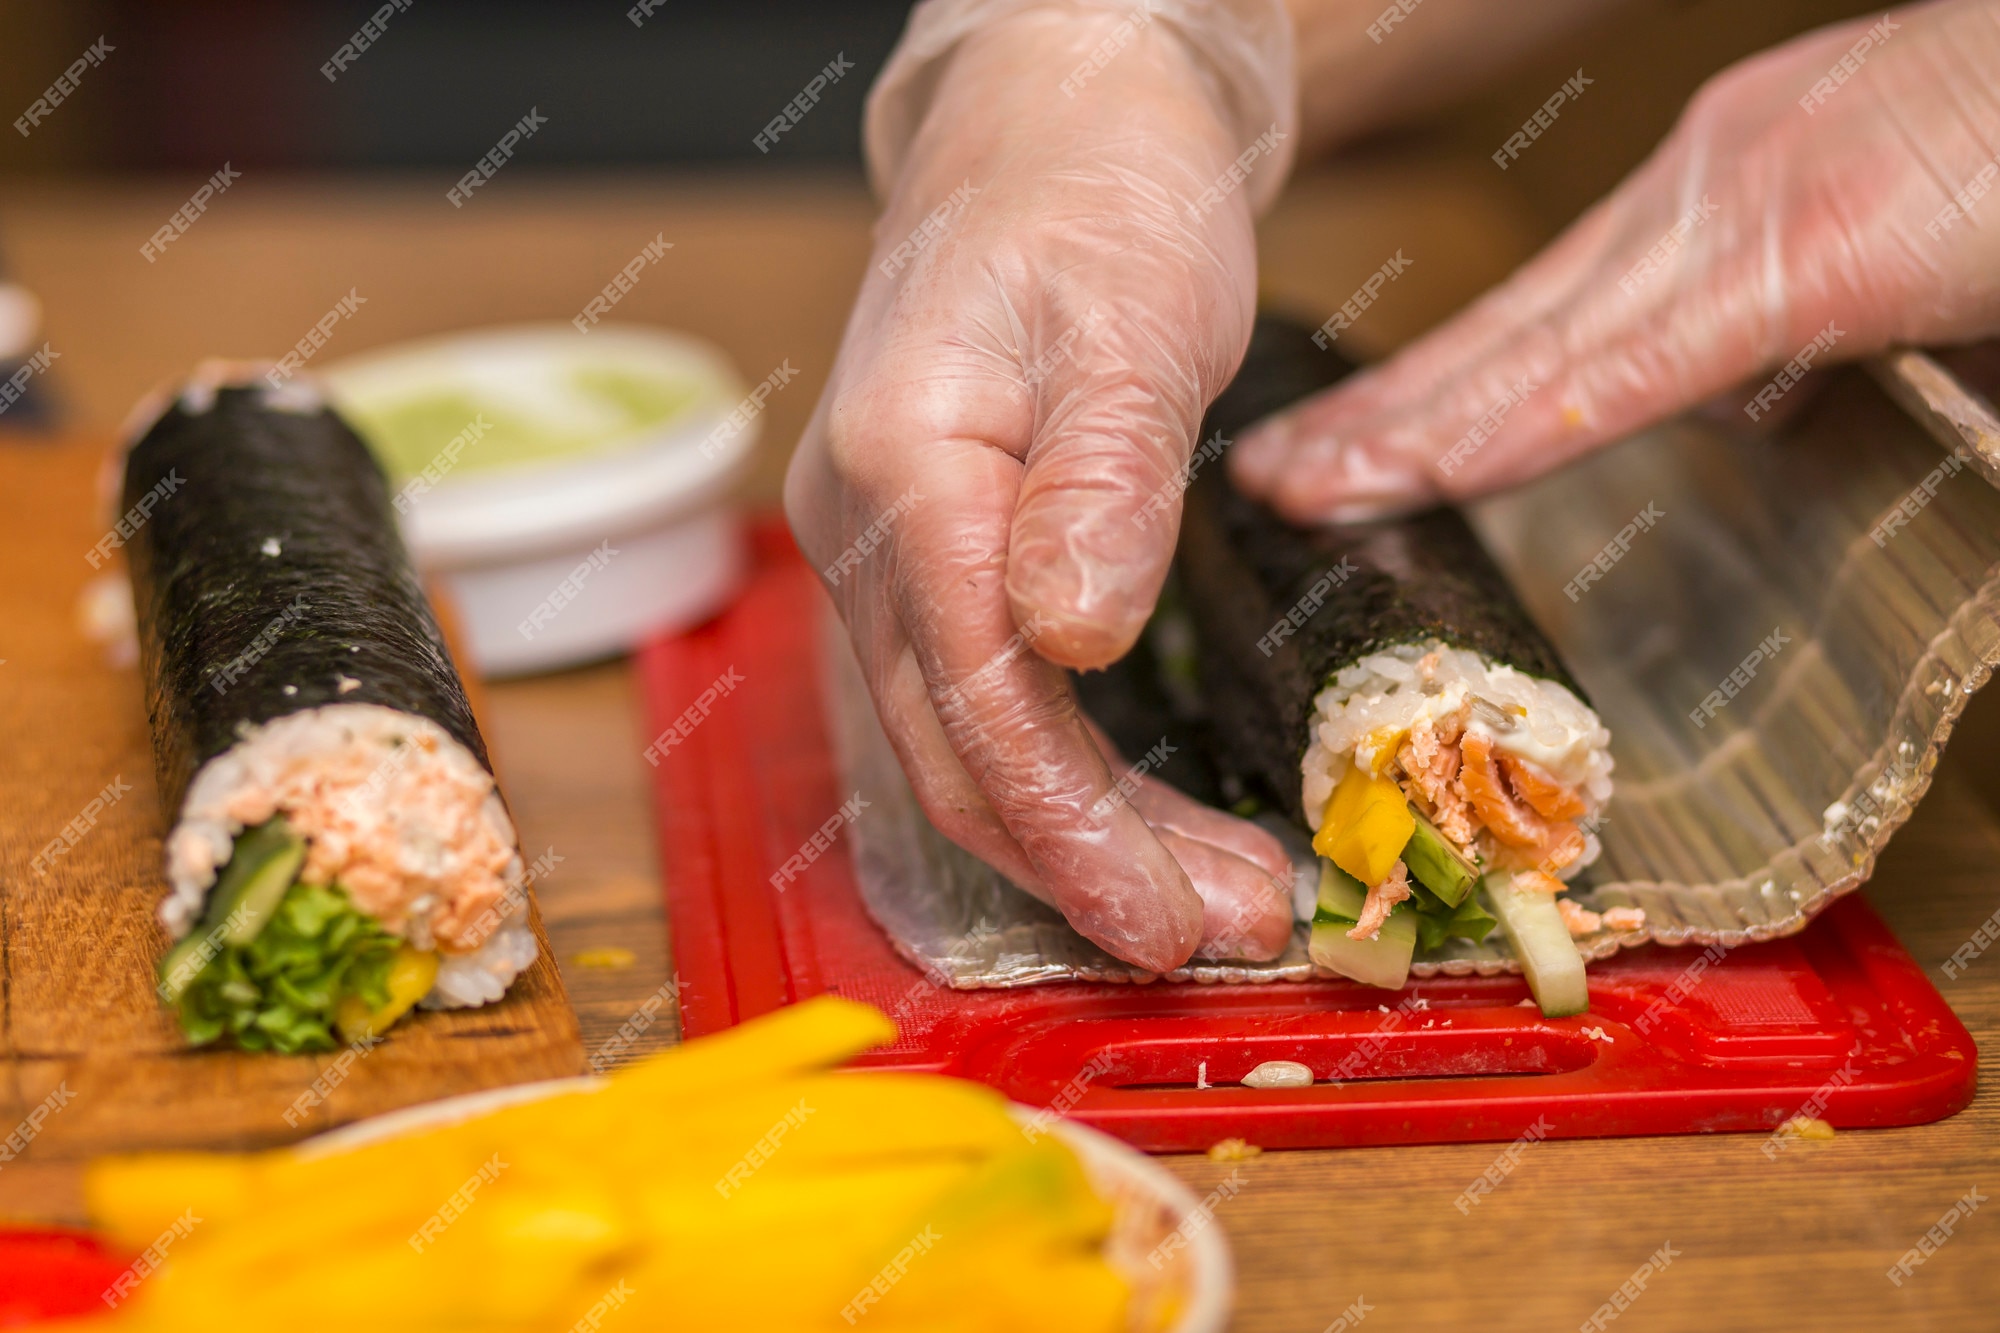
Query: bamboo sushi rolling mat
[(1800, 1242), (78, 939)]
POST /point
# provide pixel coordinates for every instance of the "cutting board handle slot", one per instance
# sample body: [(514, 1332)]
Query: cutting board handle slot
[(1068, 1063)]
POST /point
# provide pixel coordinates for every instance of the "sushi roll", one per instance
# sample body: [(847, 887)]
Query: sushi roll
[(338, 851), (1382, 682)]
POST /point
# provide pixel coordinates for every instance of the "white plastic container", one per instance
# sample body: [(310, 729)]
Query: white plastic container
[(619, 528)]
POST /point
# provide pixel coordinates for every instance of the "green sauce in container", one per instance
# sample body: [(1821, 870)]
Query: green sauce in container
[(596, 407), (570, 494)]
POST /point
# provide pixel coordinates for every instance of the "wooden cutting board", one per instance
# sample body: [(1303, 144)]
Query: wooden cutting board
[(80, 1026)]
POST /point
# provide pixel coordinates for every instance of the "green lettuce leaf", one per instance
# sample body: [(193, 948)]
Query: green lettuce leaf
[(280, 991)]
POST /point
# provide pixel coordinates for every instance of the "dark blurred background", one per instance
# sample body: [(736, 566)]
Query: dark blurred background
[(195, 81), (650, 131)]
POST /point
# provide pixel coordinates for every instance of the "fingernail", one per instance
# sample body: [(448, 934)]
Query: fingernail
[(1258, 456), (1308, 510), (1075, 610), (1342, 482)]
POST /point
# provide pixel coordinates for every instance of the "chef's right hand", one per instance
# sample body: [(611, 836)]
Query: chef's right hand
[(1063, 277)]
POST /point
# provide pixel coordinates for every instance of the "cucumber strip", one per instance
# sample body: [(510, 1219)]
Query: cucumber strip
[(1341, 896), (264, 864), (1383, 961), (1542, 942), (176, 975), (247, 893), (1436, 864)]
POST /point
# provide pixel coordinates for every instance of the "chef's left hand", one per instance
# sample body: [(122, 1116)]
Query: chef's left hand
[(1832, 193)]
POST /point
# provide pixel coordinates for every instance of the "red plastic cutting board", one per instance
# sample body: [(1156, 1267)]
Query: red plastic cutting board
[(1838, 1015), (53, 1273)]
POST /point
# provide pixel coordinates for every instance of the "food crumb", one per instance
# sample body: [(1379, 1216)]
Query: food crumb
[(288, 689), (1233, 1150), (271, 547), (1201, 1076), (1806, 1127), (611, 959), (1627, 918), (1580, 920), (348, 684), (1279, 1074), (106, 615), (1598, 1034)]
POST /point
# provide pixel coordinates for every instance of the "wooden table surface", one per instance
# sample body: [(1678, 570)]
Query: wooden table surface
[(1802, 1241)]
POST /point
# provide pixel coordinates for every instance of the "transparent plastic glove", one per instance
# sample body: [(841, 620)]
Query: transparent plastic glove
[(1821, 201), (1239, 871), (990, 483)]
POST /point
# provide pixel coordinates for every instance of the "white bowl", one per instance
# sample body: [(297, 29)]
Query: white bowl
[(651, 503), (1150, 1203)]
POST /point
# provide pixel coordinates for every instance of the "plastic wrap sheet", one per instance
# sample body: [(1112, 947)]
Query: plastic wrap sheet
[(1780, 654)]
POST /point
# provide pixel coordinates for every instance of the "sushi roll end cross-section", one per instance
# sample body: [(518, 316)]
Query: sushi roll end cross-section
[(1383, 683), (337, 851)]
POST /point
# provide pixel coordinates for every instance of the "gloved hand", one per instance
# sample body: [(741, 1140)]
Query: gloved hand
[(1063, 277), (1240, 871), (1823, 200)]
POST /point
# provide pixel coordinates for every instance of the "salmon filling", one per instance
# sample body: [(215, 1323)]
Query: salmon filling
[(1504, 765), (1504, 769), (393, 811)]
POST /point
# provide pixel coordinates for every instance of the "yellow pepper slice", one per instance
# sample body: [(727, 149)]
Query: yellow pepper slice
[(411, 975), (1366, 826), (1381, 745)]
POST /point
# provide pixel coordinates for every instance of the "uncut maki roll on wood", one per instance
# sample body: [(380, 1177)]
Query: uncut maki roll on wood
[(1383, 684), (338, 851)]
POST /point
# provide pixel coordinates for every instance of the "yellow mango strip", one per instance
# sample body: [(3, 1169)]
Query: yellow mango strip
[(1069, 1292), (818, 1034), (1030, 1208), (1382, 744), (1039, 1180), (712, 1261), (134, 1199), (1343, 805), (411, 974), (472, 1217), (1366, 826), (1026, 1211), (816, 1124), (507, 1258), (822, 1122), (734, 1183)]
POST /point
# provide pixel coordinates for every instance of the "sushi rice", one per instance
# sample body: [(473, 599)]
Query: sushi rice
[(394, 811), (1370, 709)]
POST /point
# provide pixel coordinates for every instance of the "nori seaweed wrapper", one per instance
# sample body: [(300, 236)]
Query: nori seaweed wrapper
[(278, 534), (1131, 701), (1242, 569)]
